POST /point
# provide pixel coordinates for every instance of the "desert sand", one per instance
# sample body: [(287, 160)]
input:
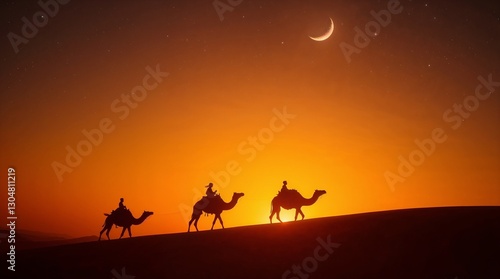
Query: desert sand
[(447, 243)]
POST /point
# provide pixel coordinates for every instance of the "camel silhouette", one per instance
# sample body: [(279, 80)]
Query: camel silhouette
[(213, 205), (122, 219), (289, 199)]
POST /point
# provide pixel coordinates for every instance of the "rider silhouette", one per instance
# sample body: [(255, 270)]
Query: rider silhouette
[(284, 188), (210, 193), (121, 206)]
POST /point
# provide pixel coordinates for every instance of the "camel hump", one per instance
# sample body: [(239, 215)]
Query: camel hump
[(205, 200), (290, 193), (119, 213)]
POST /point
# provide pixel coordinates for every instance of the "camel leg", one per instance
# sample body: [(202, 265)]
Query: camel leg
[(271, 217), (107, 232), (196, 223), (296, 213), (278, 214), (220, 220), (103, 230), (273, 210), (193, 218), (213, 223), (123, 231), (299, 211), (129, 232), (107, 226)]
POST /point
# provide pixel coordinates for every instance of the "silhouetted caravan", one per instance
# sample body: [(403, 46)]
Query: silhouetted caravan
[(289, 199), (212, 205), (122, 218)]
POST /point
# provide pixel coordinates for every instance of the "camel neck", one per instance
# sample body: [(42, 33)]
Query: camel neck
[(311, 200), (139, 220), (231, 204)]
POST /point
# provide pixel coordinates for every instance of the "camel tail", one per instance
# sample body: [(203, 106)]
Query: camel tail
[(271, 208)]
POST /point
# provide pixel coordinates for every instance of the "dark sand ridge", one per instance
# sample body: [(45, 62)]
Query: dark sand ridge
[(448, 242)]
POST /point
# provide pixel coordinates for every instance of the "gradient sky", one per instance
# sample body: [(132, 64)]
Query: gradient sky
[(352, 121)]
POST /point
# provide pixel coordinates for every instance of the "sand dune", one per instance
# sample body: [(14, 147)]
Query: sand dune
[(451, 242), (26, 239)]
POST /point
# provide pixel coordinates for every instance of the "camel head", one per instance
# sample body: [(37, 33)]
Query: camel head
[(319, 193), (147, 213), (237, 195)]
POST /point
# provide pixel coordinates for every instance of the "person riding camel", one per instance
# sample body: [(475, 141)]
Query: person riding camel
[(210, 193), (284, 188), (121, 207)]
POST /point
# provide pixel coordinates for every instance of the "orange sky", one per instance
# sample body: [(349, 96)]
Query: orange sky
[(351, 121)]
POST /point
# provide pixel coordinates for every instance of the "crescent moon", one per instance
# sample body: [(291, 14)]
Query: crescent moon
[(326, 35)]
